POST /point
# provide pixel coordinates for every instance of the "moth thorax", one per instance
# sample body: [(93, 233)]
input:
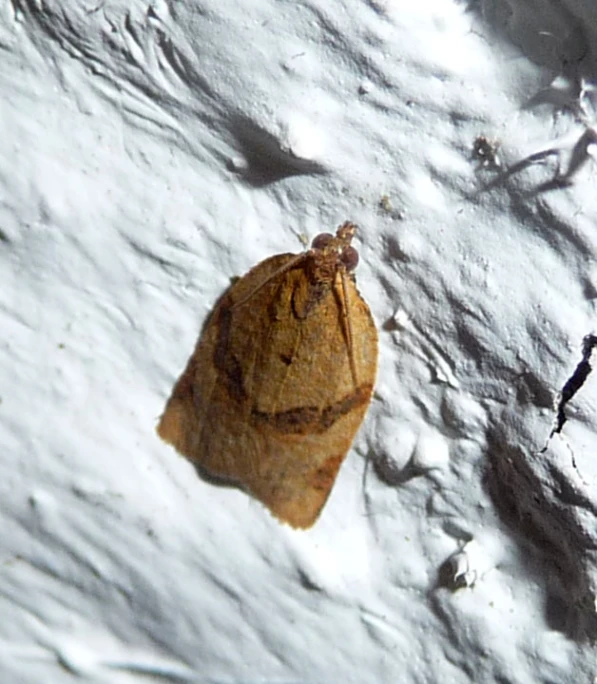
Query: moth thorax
[(322, 268)]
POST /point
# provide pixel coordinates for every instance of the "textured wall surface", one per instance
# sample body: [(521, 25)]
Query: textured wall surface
[(152, 151)]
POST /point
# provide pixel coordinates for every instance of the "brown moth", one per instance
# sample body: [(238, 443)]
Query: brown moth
[(280, 379)]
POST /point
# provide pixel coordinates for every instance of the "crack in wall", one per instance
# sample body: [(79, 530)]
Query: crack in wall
[(574, 383)]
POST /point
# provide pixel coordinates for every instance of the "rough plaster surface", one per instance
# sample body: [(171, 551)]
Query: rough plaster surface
[(153, 150)]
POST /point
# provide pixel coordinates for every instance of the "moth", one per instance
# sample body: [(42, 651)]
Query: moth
[(280, 379)]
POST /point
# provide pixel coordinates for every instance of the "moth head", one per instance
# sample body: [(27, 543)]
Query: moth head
[(338, 246)]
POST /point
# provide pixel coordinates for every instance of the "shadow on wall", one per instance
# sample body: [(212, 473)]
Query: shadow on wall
[(265, 158), (556, 35), (549, 515)]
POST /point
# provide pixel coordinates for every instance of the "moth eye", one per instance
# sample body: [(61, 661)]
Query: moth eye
[(322, 240), (350, 258)]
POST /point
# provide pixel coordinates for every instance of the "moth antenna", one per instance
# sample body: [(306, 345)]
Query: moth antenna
[(349, 337), (291, 264)]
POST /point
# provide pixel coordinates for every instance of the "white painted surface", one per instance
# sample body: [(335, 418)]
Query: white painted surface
[(150, 152)]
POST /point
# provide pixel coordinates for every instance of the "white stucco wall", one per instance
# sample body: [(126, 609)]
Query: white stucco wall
[(152, 151)]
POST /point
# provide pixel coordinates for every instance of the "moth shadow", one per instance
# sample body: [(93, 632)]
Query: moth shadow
[(216, 480)]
